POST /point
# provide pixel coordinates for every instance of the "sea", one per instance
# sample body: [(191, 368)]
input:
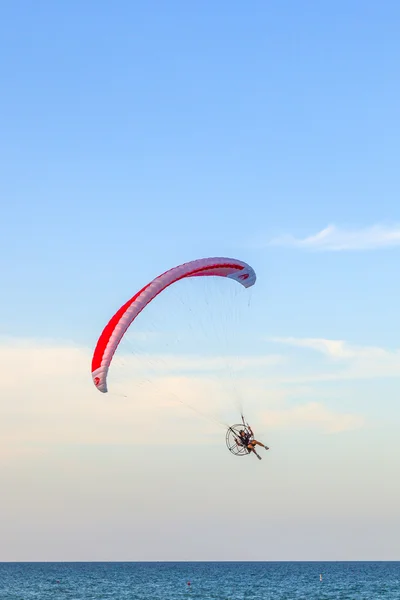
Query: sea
[(202, 580)]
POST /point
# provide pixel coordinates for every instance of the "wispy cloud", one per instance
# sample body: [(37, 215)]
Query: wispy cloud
[(312, 415), (48, 396), (334, 238), (48, 399), (356, 362), (195, 363)]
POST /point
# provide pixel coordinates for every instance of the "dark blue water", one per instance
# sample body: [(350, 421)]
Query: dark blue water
[(225, 581)]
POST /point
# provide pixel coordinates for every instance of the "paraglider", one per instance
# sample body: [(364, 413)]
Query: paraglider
[(239, 439)]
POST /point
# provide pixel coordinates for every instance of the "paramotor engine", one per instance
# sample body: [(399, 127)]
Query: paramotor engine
[(233, 441)]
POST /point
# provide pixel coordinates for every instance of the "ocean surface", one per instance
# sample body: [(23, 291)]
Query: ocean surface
[(222, 581)]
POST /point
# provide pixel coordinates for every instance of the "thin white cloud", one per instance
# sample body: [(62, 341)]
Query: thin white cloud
[(335, 348), (184, 363), (48, 395), (333, 238), (48, 398), (356, 362), (312, 415), (338, 349)]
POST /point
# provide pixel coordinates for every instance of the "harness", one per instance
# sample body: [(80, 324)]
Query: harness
[(245, 439)]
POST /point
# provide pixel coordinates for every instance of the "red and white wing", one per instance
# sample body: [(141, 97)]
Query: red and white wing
[(119, 323)]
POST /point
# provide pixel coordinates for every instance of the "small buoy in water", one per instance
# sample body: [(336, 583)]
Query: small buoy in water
[(188, 583)]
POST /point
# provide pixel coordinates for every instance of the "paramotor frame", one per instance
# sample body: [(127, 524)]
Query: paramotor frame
[(233, 439)]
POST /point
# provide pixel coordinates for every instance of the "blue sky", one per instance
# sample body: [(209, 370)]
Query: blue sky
[(140, 132), (135, 136)]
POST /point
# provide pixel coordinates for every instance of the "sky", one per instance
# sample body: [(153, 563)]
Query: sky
[(139, 135)]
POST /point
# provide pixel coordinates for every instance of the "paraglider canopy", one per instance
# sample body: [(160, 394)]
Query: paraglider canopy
[(116, 328)]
